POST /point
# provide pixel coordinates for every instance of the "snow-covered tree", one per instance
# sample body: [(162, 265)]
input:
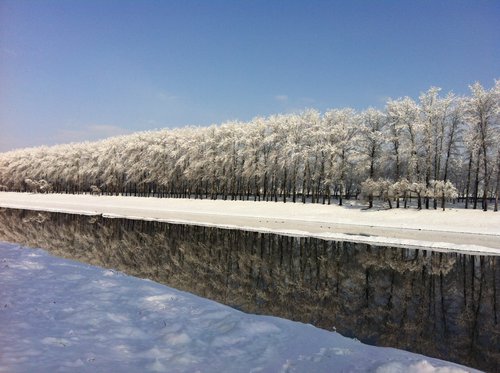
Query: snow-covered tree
[(299, 156), (481, 114), (443, 190), (406, 134), (371, 142), (434, 118), (342, 126)]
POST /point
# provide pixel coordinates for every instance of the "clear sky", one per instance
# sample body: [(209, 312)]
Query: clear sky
[(86, 69)]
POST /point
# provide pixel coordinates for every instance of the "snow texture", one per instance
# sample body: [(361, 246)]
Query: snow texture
[(58, 315)]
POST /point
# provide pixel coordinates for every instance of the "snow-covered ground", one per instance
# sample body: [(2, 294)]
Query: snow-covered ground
[(453, 229), (58, 315)]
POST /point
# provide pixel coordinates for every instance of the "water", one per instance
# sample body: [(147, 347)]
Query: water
[(444, 305)]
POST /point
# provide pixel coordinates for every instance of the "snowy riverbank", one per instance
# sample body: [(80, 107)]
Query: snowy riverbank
[(453, 229), (58, 315)]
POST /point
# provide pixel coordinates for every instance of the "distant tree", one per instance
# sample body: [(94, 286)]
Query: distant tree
[(95, 190), (481, 113), (400, 189), (420, 189), (434, 118), (452, 137), (406, 130), (372, 140), (343, 128), (256, 157), (497, 171), (443, 190), (31, 185), (44, 186), (369, 188)]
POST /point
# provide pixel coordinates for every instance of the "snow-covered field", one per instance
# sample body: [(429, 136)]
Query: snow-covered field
[(58, 315), (455, 229)]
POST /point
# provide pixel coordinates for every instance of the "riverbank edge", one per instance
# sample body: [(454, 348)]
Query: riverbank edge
[(378, 234)]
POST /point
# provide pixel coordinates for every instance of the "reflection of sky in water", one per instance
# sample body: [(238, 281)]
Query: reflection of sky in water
[(444, 305)]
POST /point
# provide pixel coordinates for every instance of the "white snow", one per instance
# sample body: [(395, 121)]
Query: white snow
[(471, 231), (57, 315)]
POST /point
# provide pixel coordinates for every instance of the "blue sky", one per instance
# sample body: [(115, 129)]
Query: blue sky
[(82, 70)]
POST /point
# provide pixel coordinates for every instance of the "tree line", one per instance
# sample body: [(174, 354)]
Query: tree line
[(428, 150)]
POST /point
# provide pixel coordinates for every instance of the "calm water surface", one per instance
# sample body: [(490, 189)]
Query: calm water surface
[(444, 305)]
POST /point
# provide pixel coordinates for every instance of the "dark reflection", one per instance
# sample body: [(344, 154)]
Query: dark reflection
[(444, 305)]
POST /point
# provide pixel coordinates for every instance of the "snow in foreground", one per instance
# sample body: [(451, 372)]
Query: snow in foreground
[(59, 315)]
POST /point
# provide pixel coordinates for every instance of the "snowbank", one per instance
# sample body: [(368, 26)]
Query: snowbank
[(60, 316), (471, 231)]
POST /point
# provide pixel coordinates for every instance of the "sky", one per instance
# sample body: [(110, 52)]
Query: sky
[(87, 69)]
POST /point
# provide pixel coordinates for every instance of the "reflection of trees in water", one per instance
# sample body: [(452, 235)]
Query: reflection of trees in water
[(440, 304)]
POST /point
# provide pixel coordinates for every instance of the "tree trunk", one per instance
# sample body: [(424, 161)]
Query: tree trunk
[(476, 182), (467, 189), (486, 178), (284, 186)]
